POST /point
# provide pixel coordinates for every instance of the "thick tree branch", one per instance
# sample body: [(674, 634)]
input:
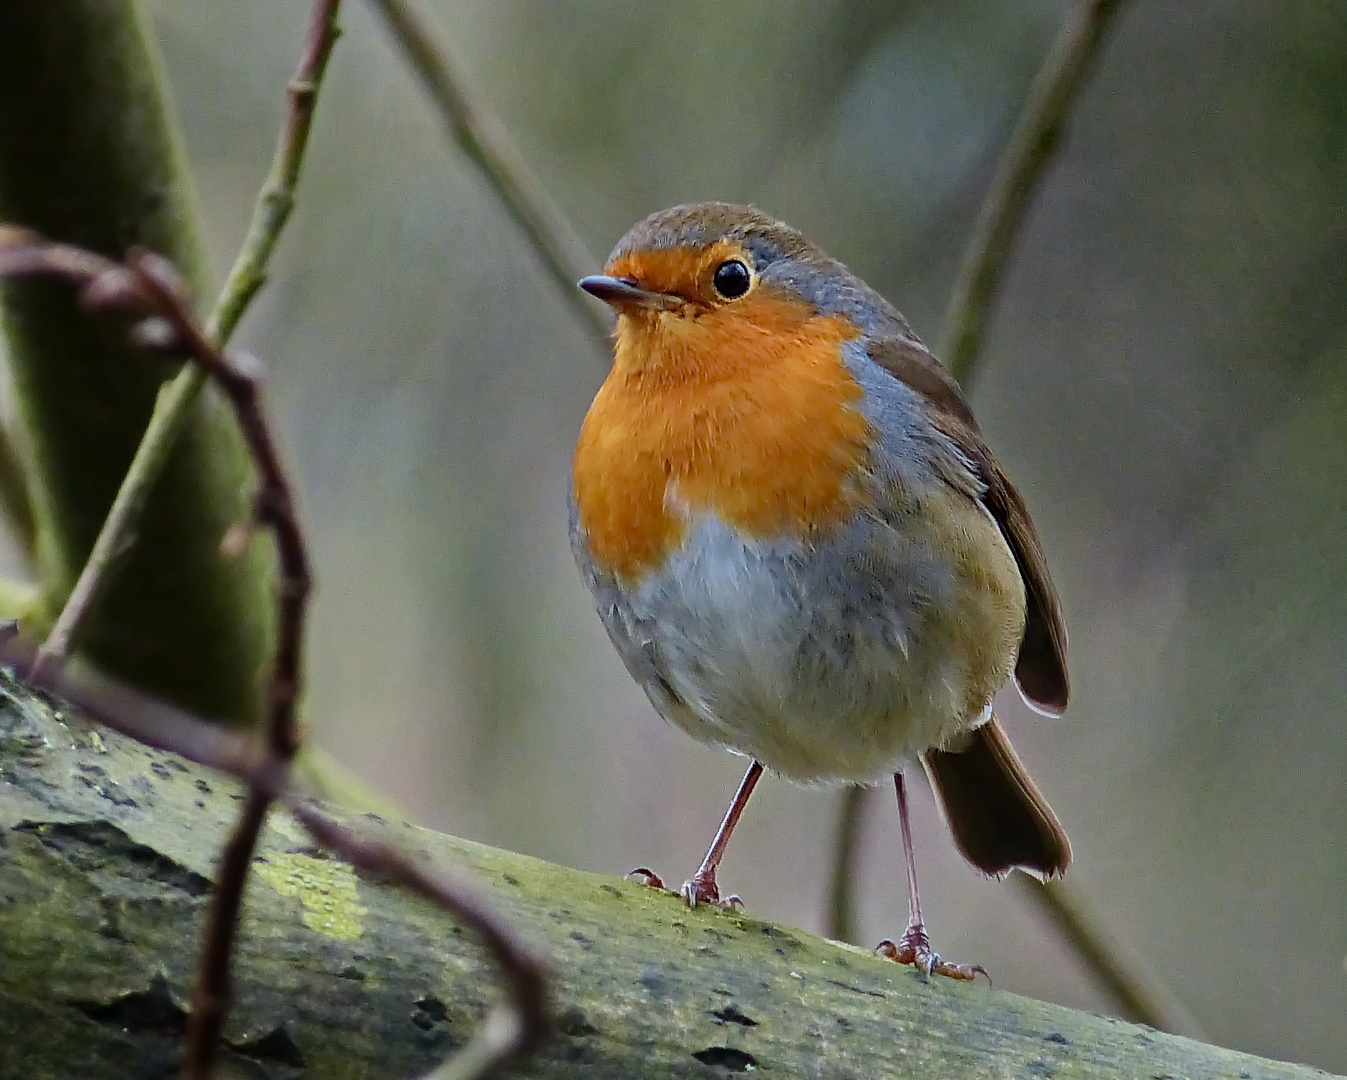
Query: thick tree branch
[(108, 849)]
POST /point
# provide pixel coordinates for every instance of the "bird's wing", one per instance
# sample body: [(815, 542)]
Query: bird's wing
[(1040, 669)]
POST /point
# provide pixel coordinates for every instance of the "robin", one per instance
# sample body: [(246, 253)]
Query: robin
[(800, 545)]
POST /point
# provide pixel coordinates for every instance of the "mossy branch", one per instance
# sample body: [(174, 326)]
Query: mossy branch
[(108, 862)]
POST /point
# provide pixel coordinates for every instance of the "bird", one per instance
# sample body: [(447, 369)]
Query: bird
[(801, 547)]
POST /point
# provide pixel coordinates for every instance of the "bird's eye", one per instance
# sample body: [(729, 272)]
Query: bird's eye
[(732, 279)]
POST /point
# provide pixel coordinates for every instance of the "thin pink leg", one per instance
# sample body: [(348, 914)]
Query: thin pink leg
[(702, 889), (914, 947)]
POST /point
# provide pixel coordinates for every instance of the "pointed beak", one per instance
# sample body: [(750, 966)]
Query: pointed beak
[(624, 292)]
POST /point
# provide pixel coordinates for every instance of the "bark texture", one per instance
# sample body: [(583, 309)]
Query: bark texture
[(106, 853)]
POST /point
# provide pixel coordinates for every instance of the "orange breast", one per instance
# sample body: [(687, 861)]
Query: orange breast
[(747, 412)]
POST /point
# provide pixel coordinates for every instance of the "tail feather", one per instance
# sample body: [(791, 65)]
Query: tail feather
[(998, 818)]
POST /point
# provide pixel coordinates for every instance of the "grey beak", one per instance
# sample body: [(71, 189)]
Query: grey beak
[(623, 292)]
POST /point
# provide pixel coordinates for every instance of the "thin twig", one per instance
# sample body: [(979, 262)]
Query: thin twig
[(484, 139), (840, 923), (1018, 172), (276, 200), (148, 288), (15, 498), (1123, 974), (212, 993), (176, 397), (273, 502), (273, 506), (149, 720), (1022, 164), (273, 509), (509, 1032)]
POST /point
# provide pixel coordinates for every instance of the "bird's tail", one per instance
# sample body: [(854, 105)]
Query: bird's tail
[(998, 818)]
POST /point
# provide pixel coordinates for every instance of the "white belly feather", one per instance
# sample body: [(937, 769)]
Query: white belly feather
[(832, 662)]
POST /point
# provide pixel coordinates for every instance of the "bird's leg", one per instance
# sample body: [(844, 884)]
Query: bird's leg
[(702, 889), (914, 947)]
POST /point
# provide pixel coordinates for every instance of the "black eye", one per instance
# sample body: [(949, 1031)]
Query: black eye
[(732, 279)]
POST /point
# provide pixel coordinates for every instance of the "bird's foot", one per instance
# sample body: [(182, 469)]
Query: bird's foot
[(702, 889), (914, 948), (643, 875)]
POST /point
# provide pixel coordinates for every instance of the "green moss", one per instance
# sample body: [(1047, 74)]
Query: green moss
[(325, 888)]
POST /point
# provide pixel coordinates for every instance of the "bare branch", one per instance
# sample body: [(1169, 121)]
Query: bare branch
[(483, 138), (148, 289), (1122, 973), (173, 405), (1018, 172), (149, 720), (274, 510), (513, 1028), (276, 200)]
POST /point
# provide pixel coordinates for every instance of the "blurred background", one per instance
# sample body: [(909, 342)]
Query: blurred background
[(1166, 380)]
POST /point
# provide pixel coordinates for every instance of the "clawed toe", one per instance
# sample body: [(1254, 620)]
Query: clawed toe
[(914, 948), (702, 889), (645, 876)]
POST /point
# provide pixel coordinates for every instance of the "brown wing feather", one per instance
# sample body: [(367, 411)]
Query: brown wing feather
[(909, 362), (998, 818), (1040, 669)]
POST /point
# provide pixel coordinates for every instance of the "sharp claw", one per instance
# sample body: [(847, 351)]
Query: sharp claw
[(705, 891), (914, 948), (645, 876)]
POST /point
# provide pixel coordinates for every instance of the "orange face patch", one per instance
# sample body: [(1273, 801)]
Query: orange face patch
[(680, 271), (742, 408)]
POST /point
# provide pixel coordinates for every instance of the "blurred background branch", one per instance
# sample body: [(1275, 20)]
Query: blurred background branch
[(486, 142), (1127, 977), (15, 505), (839, 920), (1139, 993), (1021, 166), (90, 154), (174, 401)]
